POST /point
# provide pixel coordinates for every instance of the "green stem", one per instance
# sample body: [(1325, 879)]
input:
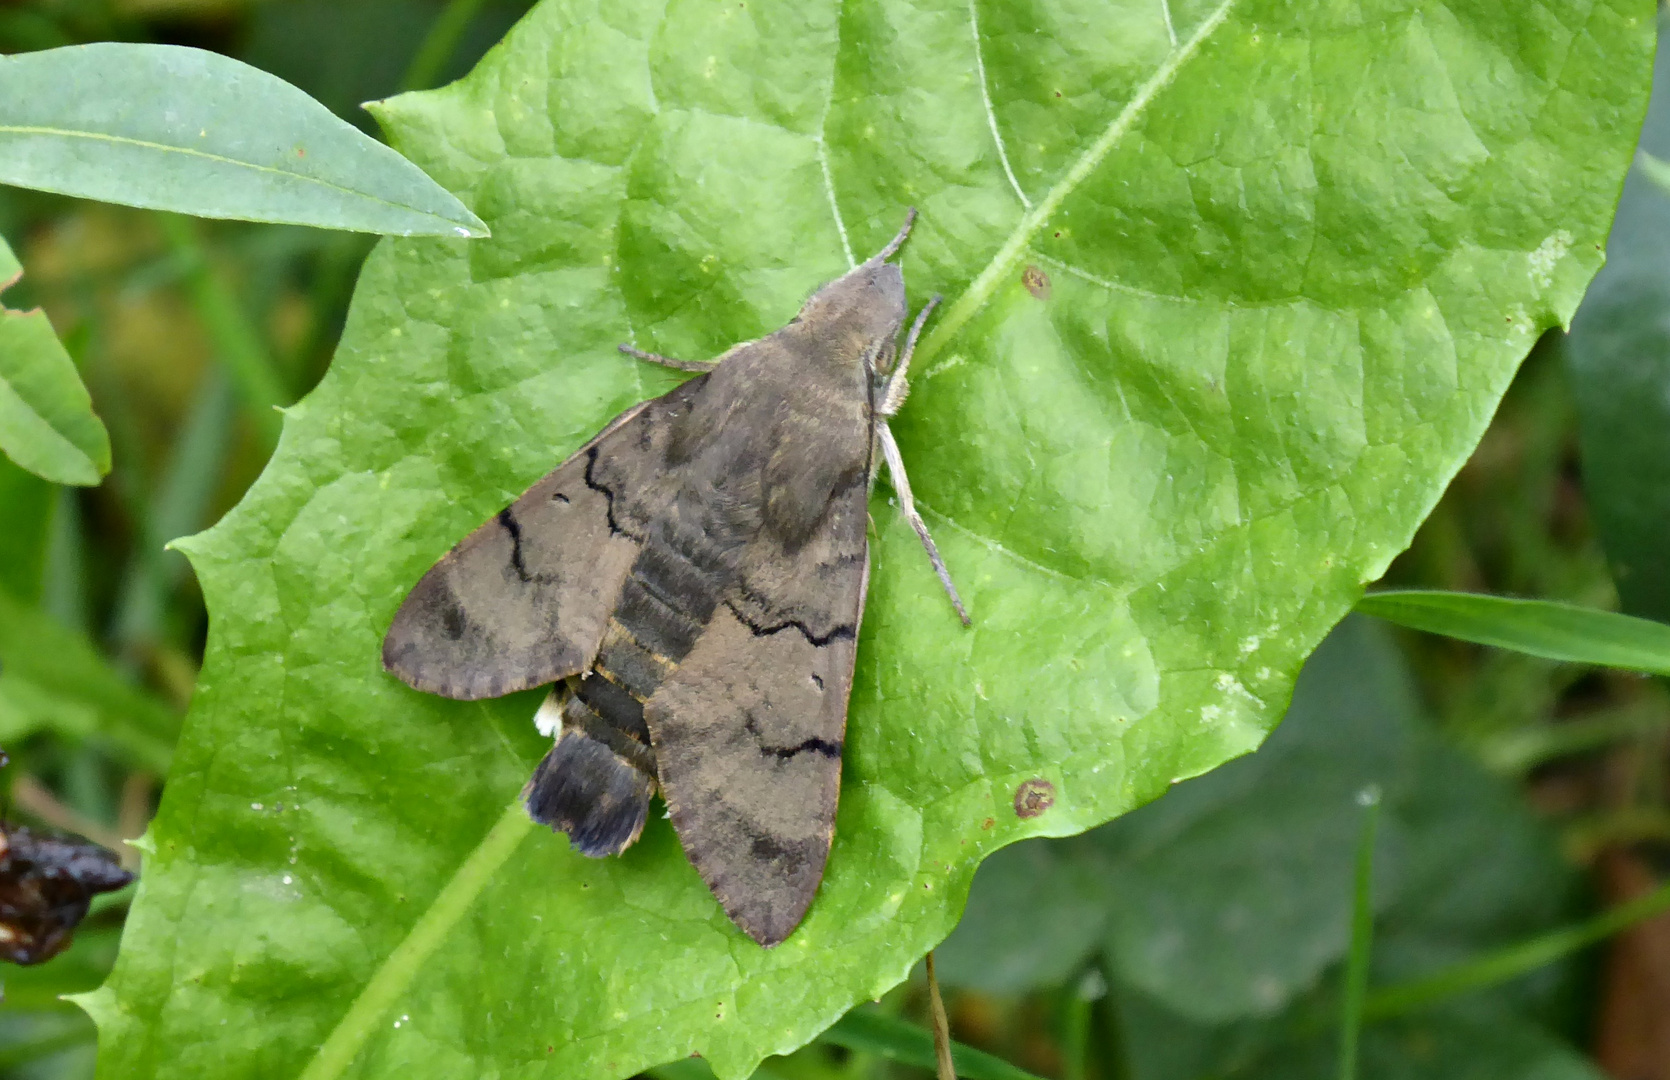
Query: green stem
[(237, 342), (1515, 960), (1362, 937), (366, 1014), (439, 44)]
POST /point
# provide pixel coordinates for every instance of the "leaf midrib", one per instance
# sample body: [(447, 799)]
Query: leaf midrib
[(1008, 255)]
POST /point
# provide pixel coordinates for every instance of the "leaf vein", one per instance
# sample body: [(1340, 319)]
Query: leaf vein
[(823, 147), (986, 99)]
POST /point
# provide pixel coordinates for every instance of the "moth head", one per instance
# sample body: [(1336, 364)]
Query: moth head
[(858, 315)]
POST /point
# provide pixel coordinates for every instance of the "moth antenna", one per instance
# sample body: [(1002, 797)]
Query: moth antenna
[(901, 488), (666, 361), (894, 394), (898, 241)]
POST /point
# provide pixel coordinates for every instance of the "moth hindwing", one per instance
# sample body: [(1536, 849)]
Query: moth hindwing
[(693, 580)]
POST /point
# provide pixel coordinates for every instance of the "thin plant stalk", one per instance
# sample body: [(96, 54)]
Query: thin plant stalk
[(942, 1027), (1362, 937)]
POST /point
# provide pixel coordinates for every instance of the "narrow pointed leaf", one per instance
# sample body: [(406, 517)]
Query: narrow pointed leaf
[(902, 1041), (1232, 290), (174, 128), (1545, 628), (47, 423)]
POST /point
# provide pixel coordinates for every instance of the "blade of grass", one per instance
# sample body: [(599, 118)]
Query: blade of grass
[(439, 44), (904, 1042), (1362, 936), (180, 506), (1544, 628), (1089, 988), (1520, 750), (64, 579), (697, 1069), (66, 664), (1514, 960), (1584, 838), (237, 343)]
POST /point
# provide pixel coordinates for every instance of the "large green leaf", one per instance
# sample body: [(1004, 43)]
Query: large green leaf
[(173, 128), (47, 423), (1292, 260)]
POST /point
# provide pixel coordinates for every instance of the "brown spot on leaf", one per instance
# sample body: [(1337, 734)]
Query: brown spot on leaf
[(1033, 797), (1037, 282), (988, 823)]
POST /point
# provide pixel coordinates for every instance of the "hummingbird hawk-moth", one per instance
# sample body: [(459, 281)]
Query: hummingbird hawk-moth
[(693, 578)]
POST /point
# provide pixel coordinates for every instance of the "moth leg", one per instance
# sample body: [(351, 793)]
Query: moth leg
[(901, 487), (893, 393), (667, 361)]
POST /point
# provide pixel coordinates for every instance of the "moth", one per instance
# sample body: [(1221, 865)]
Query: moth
[(693, 579), (46, 885)]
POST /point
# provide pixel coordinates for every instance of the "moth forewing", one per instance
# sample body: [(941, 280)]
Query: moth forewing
[(695, 577)]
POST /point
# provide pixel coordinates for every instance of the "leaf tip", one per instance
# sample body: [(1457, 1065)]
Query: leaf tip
[(99, 1004)]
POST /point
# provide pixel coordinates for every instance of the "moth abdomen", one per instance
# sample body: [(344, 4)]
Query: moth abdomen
[(596, 782), (656, 622), (610, 713)]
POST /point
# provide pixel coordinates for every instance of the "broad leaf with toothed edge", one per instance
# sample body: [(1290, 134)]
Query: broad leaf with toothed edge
[(1232, 290)]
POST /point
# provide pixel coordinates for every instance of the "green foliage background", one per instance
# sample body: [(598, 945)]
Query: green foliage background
[(1294, 259), (1213, 922)]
